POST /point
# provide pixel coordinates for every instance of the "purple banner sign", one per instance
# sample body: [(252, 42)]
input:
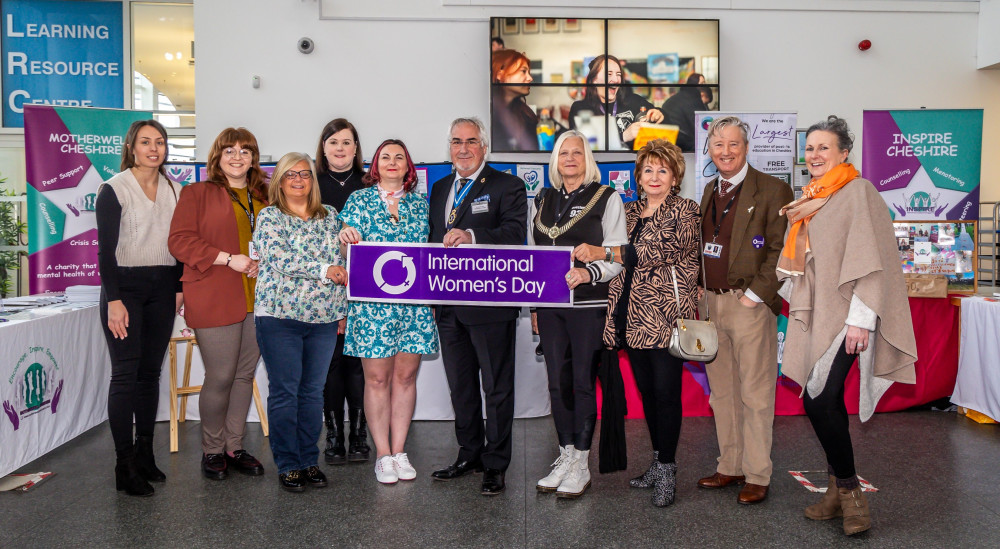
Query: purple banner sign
[(466, 275)]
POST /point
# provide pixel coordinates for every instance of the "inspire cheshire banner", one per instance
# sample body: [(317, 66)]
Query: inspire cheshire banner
[(68, 152), (925, 163), (464, 275)]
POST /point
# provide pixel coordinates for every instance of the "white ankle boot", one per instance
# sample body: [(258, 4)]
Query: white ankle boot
[(578, 479), (560, 468)]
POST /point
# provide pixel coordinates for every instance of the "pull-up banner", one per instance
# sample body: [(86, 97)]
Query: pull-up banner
[(465, 275)]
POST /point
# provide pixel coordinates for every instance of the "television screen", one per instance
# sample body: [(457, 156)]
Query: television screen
[(608, 78)]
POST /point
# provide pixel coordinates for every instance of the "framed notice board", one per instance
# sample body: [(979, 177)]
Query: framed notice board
[(940, 247)]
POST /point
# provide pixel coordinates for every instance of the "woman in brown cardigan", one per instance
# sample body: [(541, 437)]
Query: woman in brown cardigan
[(211, 234), (663, 233)]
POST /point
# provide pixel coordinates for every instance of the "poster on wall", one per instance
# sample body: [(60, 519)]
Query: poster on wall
[(68, 152), (61, 54), (925, 163), (771, 149)]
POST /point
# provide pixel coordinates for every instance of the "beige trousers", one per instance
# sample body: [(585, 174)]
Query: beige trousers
[(742, 380)]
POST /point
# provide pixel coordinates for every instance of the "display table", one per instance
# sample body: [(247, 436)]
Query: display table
[(978, 384), (54, 372)]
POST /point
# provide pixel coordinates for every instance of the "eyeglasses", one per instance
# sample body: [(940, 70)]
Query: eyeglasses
[(292, 175), (457, 143), (233, 153)]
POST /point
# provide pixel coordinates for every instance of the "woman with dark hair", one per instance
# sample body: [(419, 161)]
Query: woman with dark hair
[(340, 171), (841, 260), (211, 234), (140, 293), (660, 259), (604, 96), (389, 337), (514, 123), (300, 300)]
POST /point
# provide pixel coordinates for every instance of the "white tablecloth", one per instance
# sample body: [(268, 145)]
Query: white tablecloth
[(978, 382), (54, 372)]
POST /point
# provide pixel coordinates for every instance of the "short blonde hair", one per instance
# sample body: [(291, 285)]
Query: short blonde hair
[(592, 173), (663, 152), (276, 196)]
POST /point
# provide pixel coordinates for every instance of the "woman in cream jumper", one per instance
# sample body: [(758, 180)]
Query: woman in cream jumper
[(840, 261)]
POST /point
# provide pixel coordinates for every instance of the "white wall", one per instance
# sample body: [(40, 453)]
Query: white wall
[(408, 79)]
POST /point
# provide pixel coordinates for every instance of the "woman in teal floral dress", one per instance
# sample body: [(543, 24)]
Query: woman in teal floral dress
[(389, 338)]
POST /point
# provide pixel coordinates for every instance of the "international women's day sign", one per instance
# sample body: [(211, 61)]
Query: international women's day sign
[(925, 163), (69, 152), (61, 53), (465, 275), (771, 149)]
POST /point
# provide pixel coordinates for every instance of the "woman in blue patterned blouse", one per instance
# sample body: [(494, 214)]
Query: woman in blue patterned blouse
[(389, 337), (299, 299)]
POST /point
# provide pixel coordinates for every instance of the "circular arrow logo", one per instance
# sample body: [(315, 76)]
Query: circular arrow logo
[(411, 272)]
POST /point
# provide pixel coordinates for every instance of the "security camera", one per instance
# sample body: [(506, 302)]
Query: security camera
[(306, 45)]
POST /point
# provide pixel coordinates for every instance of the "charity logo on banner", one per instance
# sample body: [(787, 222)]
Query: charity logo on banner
[(464, 275), (771, 149), (61, 53), (69, 152), (925, 163)]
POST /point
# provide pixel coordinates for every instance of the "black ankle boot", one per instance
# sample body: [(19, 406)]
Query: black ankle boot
[(359, 449), (145, 462), (335, 453), (127, 477)]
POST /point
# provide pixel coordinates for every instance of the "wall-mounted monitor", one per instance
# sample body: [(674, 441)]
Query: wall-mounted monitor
[(607, 78)]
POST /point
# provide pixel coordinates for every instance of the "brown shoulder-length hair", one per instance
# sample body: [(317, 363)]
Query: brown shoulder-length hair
[(409, 180), (504, 62), (128, 159), (256, 177), (663, 152), (276, 196), (332, 127)]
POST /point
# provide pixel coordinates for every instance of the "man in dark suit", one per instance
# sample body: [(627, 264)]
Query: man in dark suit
[(743, 234), (478, 205)]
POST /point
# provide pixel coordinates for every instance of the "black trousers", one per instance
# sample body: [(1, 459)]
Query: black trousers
[(474, 353), (571, 343), (828, 415), (658, 378), (149, 295), (345, 379)]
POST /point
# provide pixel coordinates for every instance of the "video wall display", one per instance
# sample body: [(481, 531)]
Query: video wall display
[(939, 247), (608, 78)]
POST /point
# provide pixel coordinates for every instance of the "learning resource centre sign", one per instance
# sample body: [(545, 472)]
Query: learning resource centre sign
[(466, 275)]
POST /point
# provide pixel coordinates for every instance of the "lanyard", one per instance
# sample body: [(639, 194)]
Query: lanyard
[(250, 214), (715, 218)]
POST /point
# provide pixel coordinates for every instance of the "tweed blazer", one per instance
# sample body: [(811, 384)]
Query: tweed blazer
[(669, 239), (751, 264)]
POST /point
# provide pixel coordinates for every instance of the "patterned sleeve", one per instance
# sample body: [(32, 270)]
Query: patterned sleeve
[(275, 250), (678, 236)]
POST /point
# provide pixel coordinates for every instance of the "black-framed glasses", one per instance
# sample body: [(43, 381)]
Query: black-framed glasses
[(458, 143), (292, 175)]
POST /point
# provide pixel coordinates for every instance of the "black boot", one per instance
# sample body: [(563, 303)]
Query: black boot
[(145, 462), (127, 475), (359, 449), (335, 453)]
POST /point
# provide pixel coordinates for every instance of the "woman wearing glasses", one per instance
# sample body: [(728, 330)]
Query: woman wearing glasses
[(211, 234), (300, 299), (389, 337)]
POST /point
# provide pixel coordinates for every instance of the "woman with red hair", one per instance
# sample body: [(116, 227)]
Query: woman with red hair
[(389, 337)]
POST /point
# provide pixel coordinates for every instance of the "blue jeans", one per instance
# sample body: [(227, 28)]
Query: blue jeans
[(297, 356)]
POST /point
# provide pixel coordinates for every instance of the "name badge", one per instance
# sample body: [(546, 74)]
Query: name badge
[(253, 252), (713, 250), (480, 207)]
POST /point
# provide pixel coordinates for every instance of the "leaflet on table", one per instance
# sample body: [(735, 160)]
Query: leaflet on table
[(465, 275)]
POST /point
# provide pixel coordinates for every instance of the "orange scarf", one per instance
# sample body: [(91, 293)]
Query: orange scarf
[(793, 256)]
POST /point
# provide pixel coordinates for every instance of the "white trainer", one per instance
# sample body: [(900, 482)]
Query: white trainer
[(404, 470), (578, 479), (384, 470), (560, 468)]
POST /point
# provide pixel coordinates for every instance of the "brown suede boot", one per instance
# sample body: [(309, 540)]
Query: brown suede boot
[(857, 515), (829, 506)]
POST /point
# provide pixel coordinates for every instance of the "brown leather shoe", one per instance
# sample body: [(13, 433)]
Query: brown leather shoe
[(752, 493), (718, 480)]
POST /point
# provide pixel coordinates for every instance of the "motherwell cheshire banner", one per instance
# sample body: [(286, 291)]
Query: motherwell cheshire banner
[(465, 275)]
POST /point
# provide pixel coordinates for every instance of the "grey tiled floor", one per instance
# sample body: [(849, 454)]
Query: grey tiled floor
[(937, 475)]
